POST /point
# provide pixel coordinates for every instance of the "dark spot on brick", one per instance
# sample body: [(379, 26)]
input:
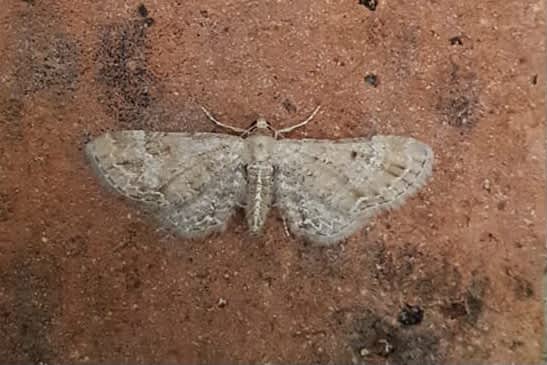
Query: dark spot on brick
[(487, 237), (474, 307), (411, 315), (460, 105), (289, 106), (374, 340), (6, 206), (353, 155), (523, 288), (132, 279), (470, 305), (457, 40), (32, 285), (50, 61), (535, 79), (143, 11), (338, 61), (75, 246), (11, 112), (204, 13), (460, 109), (372, 79), (370, 4), (516, 344), (454, 309), (123, 70), (409, 270)]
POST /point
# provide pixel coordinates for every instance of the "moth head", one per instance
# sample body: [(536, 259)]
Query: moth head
[(260, 126)]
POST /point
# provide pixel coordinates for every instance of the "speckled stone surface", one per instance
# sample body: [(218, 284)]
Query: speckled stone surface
[(455, 275)]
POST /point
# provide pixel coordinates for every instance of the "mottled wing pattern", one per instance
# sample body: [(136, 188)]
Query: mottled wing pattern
[(192, 181), (326, 190)]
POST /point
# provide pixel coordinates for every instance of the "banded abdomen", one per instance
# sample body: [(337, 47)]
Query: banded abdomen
[(259, 194)]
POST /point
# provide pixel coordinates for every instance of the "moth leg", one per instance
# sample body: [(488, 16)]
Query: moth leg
[(286, 227), (301, 124), (212, 119)]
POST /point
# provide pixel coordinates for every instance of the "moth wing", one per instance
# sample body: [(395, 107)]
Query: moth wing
[(193, 182), (326, 190)]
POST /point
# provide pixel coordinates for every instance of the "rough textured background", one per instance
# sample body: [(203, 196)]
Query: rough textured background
[(86, 278)]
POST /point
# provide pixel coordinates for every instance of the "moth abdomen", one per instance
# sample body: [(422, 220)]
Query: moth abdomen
[(259, 194)]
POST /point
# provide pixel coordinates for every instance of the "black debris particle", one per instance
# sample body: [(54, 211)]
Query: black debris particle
[(353, 155), (143, 11), (370, 4), (516, 344), (289, 106), (456, 41), (535, 79), (411, 315), (372, 79)]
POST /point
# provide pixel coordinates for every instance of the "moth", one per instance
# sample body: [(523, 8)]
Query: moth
[(325, 190)]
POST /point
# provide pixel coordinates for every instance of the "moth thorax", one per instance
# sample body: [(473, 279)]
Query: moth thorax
[(259, 194)]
